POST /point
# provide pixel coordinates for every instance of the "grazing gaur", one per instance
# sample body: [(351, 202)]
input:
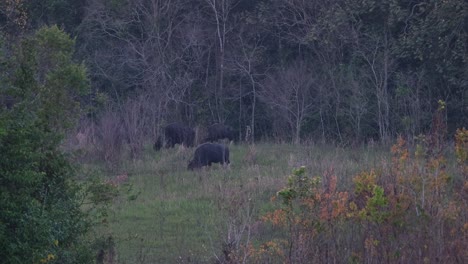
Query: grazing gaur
[(208, 153), (219, 131), (176, 133)]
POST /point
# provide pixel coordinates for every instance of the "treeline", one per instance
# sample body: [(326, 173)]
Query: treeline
[(345, 71)]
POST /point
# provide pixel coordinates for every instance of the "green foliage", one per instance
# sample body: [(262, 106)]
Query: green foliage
[(41, 219), (373, 210), (40, 215), (300, 186), (47, 74)]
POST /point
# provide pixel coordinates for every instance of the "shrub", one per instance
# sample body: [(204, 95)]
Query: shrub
[(409, 213)]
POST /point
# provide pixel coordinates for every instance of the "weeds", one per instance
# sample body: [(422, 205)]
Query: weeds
[(409, 213)]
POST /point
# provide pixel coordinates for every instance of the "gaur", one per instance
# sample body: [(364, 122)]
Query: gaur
[(176, 133), (209, 153), (219, 131)]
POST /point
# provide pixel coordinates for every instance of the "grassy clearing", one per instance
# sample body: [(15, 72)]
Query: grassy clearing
[(182, 216)]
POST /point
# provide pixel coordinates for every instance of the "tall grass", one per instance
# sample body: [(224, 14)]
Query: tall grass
[(183, 216)]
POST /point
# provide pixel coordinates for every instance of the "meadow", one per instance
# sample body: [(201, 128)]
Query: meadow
[(168, 214), (186, 216)]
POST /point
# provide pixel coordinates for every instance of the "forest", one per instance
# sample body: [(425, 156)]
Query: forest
[(345, 71), (87, 86)]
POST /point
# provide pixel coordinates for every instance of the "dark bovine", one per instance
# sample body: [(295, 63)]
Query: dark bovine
[(176, 133), (208, 153), (219, 131)]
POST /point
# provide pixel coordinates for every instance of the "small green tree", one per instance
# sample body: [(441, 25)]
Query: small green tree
[(40, 216)]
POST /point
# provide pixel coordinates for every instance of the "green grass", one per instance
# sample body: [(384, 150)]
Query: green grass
[(182, 216)]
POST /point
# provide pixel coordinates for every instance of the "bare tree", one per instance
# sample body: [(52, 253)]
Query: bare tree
[(290, 92), (357, 103), (374, 49), (109, 137), (221, 12), (138, 122), (412, 109), (142, 52), (245, 64)]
